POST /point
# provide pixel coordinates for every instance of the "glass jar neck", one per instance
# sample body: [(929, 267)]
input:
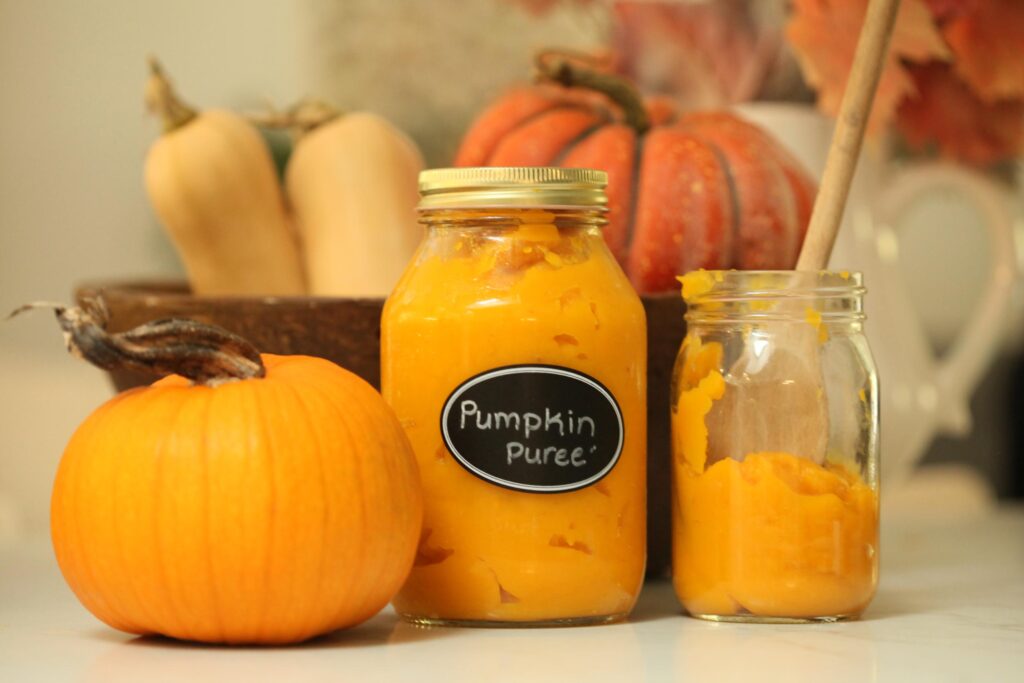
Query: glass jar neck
[(753, 297), (513, 217)]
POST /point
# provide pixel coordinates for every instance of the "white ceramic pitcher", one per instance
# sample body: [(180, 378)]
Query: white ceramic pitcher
[(921, 395)]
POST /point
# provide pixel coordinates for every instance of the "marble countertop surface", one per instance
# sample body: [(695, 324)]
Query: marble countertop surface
[(950, 607)]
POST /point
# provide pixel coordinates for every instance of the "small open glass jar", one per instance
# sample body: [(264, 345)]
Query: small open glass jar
[(513, 351), (775, 448)]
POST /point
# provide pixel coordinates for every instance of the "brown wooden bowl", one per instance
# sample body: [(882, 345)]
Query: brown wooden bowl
[(347, 332)]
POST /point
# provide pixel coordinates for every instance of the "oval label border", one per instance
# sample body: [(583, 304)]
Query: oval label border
[(527, 369)]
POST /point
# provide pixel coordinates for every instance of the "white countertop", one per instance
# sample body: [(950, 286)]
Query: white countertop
[(950, 608)]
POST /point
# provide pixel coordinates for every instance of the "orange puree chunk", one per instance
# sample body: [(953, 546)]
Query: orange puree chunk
[(701, 385), (692, 433), (697, 283), (813, 318), (578, 558), (775, 535), (538, 232), (701, 360)]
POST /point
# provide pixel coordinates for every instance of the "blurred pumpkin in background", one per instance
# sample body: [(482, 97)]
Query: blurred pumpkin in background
[(686, 190)]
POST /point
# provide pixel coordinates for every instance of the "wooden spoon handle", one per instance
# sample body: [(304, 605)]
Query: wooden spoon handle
[(868, 60)]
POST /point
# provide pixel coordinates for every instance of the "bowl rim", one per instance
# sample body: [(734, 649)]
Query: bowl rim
[(176, 291)]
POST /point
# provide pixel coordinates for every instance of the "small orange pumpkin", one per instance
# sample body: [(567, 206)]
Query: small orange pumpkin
[(262, 499)]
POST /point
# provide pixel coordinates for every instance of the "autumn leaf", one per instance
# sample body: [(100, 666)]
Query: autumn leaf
[(824, 34), (987, 39), (947, 113), (541, 8), (705, 55), (947, 9)]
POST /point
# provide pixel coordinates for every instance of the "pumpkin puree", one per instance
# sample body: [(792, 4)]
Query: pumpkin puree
[(478, 299), (773, 534)]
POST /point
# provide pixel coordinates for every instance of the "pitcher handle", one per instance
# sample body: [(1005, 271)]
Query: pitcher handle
[(960, 369)]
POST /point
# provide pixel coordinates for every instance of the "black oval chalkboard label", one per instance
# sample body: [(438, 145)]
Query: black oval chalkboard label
[(535, 428)]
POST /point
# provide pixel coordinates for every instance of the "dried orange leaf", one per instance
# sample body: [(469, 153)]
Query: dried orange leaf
[(987, 39), (705, 55), (947, 113), (947, 9), (824, 34)]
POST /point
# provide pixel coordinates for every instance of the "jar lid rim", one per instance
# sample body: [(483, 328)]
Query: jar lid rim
[(513, 186)]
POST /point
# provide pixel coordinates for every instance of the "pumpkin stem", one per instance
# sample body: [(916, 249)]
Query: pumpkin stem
[(567, 69), (205, 354), (301, 117), (162, 100)]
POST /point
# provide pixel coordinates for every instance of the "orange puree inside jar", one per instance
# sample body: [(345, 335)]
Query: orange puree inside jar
[(531, 287), (771, 535)]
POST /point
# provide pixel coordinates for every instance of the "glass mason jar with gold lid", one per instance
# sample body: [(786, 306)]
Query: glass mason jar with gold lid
[(513, 352), (775, 448)]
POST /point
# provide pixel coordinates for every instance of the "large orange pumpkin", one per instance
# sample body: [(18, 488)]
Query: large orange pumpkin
[(685, 190), (234, 508)]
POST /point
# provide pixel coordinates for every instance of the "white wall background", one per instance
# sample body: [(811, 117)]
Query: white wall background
[(73, 134)]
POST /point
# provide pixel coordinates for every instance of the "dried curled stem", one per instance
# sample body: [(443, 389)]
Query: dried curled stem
[(205, 354), (576, 70), (162, 100), (300, 118)]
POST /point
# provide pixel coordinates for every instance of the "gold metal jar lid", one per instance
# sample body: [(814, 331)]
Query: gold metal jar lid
[(499, 186)]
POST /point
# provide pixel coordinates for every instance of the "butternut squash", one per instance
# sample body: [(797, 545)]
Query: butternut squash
[(212, 183), (352, 186)]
